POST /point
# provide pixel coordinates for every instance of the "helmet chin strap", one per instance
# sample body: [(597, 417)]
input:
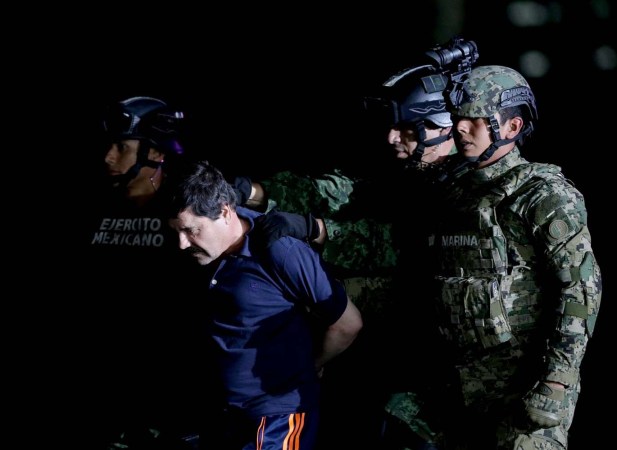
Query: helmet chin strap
[(416, 158), (497, 142), (451, 169), (122, 181), (461, 164)]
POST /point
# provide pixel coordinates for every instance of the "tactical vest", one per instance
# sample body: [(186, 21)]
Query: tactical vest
[(488, 289)]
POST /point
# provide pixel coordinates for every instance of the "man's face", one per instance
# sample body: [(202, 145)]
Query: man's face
[(206, 239), (404, 140), (472, 135), (121, 156)]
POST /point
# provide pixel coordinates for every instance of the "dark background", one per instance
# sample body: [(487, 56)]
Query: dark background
[(269, 87)]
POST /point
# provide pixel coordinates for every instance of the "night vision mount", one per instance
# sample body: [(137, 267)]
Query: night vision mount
[(455, 57), (452, 61), (455, 60), (419, 91), (422, 95)]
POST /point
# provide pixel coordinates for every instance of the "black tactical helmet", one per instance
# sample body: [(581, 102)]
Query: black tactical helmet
[(413, 96), (150, 121), (147, 119)]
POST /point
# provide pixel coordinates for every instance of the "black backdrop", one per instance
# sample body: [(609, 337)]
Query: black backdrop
[(269, 88)]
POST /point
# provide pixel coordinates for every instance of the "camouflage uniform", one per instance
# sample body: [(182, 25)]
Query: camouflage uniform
[(519, 293), (360, 249)]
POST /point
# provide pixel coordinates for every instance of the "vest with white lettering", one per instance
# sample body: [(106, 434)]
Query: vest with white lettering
[(489, 291), (518, 285)]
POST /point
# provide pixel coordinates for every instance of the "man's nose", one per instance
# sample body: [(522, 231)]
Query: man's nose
[(394, 136), (183, 242), (112, 154), (462, 126)]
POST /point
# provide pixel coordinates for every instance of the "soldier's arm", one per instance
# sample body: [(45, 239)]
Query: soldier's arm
[(347, 242), (560, 223), (364, 244), (323, 195)]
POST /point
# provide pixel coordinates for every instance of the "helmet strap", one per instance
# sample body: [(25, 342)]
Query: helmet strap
[(418, 153), (122, 181), (452, 169), (497, 141)]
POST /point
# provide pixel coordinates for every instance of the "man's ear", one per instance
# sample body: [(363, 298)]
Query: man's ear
[(226, 213), (514, 127), (445, 131)]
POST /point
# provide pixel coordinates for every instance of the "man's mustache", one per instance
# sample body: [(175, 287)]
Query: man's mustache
[(194, 250)]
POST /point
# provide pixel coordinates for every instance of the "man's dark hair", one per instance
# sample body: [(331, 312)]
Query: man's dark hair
[(514, 111), (201, 187)]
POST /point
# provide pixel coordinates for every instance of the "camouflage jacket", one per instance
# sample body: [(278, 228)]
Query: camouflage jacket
[(360, 246), (519, 285), (357, 244)]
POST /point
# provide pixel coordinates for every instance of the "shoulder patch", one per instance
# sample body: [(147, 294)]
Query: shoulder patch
[(558, 229)]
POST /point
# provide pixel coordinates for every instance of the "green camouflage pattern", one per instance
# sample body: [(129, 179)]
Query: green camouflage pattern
[(544, 406), (372, 295), (360, 249), (323, 196), (522, 227), (409, 408), (483, 89), (360, 246)]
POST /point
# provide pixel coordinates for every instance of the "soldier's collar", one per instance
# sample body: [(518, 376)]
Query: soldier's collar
[(498, 168)]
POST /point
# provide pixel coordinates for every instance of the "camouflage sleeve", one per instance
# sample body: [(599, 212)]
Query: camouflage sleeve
[(352, 243), (560, 222), (323, 196), (362, 243)]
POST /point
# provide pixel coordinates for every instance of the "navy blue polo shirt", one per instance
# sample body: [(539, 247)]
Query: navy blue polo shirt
[(263, 315)]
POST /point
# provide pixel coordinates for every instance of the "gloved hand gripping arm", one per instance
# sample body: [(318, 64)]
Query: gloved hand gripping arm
[(275, 224)]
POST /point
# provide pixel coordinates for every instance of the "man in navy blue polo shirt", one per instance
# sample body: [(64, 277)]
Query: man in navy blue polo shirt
[(274, 315)]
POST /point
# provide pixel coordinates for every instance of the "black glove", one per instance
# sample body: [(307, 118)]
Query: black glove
[(274, 225), (242, 186)]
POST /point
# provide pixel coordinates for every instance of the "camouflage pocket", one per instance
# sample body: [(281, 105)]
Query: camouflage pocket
[(545, 406), (473, 311), (408, 408)]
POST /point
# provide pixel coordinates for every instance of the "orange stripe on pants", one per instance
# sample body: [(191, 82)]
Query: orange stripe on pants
[(292, 440)]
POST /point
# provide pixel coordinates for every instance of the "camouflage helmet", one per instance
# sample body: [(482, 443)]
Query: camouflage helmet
[(489, 89)]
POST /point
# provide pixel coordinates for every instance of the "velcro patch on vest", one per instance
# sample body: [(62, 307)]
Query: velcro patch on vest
[(559, 227)]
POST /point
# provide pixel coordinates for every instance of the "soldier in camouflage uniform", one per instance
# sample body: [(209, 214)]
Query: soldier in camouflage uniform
[(518, 285), (358, 242)]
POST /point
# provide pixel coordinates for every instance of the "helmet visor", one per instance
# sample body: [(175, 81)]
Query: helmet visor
[(381, 111), (120, 123)]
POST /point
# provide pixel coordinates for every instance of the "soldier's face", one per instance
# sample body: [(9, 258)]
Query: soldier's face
[(121, 156), (472, 135), (404, 140)]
